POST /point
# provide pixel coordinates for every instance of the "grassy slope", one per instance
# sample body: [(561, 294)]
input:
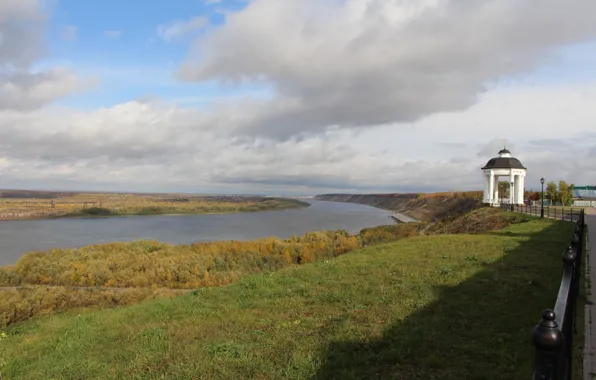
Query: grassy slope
[(432, 307)]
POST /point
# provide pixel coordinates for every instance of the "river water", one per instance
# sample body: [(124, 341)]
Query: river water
[(18, 237)]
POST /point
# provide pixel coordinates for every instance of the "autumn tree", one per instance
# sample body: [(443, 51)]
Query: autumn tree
[(565, 193), (551, 191)]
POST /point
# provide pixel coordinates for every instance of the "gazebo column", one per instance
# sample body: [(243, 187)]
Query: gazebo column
[(486, 187), (491, 187), (496, 198), (514, 189), (512, 192), (520, 189)]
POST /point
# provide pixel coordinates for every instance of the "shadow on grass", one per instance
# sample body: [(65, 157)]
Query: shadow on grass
[(479, 329)]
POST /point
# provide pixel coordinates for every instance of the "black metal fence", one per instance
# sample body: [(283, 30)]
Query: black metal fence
[(553, 212), (553, 336)]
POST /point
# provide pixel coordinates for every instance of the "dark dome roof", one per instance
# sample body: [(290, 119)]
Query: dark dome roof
[(503, 163)]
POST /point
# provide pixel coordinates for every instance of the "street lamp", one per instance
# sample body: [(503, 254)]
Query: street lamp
[(512, 195), (542, 199)]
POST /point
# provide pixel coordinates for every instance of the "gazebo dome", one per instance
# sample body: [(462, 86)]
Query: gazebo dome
[(503, 161)]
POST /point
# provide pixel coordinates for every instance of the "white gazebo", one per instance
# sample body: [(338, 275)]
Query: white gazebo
[(504, 166)]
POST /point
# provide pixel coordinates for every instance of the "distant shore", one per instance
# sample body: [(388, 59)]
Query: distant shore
[(57, 205)]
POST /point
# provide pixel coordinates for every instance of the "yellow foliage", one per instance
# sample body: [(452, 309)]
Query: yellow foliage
[(24, 303), (140, 264)]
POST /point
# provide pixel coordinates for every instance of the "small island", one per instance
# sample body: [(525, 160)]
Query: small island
[(21, 204)]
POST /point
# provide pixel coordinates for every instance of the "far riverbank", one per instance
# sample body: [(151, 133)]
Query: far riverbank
[(104, 205)]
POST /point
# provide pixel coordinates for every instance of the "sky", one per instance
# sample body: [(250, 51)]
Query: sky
[(294, 97)]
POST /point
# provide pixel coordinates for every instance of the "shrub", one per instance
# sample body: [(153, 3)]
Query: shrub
[(96, 211), (24, 303)]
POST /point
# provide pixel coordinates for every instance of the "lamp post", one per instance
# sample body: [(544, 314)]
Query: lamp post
[(512, 195), (542, 198)]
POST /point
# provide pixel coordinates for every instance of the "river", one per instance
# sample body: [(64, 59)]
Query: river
[(18, 237)]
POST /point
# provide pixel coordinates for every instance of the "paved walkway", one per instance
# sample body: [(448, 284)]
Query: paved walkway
[(590, 312)]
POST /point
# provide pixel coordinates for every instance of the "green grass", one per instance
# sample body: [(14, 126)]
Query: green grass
[(428, 307)]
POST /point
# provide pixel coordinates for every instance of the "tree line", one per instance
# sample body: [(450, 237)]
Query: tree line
[(560, 192)]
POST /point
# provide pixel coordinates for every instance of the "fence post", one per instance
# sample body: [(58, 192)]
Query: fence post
[(569, 258), (547, 339)]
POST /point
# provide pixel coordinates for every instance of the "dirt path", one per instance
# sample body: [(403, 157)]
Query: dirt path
[(423, 232)]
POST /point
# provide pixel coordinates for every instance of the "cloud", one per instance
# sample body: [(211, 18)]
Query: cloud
[(18, 8), (21, 31), (355, 96), (23, 90), (21, 46), (152, 145), (112, 33), (69, 33), (178, 29), (495, 145), (359, 63)]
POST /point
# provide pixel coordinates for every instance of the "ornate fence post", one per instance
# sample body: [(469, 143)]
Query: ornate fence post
[(548, 340)]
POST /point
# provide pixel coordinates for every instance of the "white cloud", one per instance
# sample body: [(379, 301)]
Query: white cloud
[(28, 90), (358, 63), (21, 45), (18, 8), (178, 29), (21, 24), (158, 146), (69, 33), (358, 95)]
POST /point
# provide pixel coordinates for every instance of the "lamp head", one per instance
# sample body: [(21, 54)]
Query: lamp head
[(542, 180)]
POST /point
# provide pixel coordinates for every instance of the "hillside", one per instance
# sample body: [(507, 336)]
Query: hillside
[(421, 307), (424, 208)]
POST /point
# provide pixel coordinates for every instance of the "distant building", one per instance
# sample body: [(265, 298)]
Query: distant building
[(585, 192), (584, 196)]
